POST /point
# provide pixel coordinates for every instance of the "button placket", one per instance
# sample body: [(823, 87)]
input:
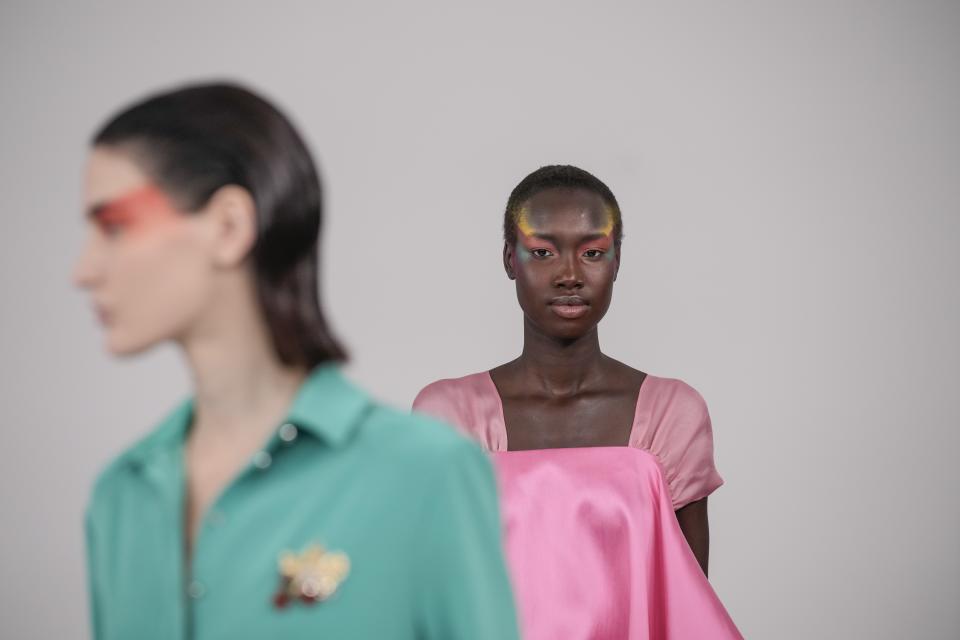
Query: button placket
[(261, 460), (196, 590)]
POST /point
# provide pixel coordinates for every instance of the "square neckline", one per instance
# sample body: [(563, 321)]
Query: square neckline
[(503, 421)]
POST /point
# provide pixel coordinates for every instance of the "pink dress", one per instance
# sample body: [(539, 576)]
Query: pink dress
[(594, 549)]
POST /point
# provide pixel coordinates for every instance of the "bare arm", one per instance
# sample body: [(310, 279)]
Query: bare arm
[(696, 529)]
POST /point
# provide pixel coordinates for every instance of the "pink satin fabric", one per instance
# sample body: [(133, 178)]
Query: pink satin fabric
[(594, 548), (595, 551)]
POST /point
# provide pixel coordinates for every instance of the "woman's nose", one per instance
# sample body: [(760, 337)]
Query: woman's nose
[(86, 270), (569, 276)]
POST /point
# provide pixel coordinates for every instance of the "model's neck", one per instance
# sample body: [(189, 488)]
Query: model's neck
[(239, 381), (559, 367)]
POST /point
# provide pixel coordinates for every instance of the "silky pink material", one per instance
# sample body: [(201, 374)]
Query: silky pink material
[(595, 551), (594, 548)]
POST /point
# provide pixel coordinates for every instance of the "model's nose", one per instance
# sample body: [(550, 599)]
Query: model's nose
[(569, 276), (86, 270)]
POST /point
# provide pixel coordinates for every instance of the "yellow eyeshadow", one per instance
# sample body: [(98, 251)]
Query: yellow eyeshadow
[(523, 224), (608, 228)]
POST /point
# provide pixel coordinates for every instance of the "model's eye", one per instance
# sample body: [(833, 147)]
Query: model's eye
[(541, 253), (110, 228), (593, 253)]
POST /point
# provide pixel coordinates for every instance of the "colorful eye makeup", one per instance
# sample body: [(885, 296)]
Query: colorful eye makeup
[(608, 227), (531, 245), (528, 246), (603, 241), (140, 210), (602, 244), (523, 222)]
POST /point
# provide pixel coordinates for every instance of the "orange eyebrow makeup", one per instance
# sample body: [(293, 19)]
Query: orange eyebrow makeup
[(140, 209)]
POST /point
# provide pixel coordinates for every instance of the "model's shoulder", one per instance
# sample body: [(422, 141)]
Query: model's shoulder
[(118, 471), (452, 399), (416, 438), (454, 388), (675, 427), (675, 392)]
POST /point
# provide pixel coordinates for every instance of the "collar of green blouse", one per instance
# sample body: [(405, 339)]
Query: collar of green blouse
[(327, 405)]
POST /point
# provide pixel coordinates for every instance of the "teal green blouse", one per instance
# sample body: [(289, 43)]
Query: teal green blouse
[(352, 521)]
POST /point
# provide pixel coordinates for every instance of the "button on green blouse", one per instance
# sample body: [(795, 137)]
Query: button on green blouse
[(353, 521)]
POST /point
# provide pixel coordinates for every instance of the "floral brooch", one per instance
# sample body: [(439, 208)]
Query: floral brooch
[(310, 576)]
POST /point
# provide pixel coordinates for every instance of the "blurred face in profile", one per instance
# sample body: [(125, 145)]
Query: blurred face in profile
[(148, 267)]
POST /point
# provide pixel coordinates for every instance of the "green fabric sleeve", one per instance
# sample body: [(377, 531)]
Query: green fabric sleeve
[(92, 590), (466, 593)]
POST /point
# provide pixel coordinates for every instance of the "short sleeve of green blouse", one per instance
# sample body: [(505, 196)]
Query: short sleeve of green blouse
[(352, 521), (456, 546)]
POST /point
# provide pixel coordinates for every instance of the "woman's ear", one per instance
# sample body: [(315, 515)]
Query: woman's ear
[(509, 255), (233, 216), (616, 266)]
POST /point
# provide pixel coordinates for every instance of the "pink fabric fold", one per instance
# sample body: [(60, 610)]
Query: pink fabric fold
[(595, 551)]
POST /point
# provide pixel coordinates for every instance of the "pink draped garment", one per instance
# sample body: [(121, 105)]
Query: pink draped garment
[(594, 548)]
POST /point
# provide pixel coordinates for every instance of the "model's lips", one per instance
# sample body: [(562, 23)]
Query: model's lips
[(102, 314), (569, 301), (569, 306)]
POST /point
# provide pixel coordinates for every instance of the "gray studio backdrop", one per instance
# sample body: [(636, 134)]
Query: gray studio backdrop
[(789, 174)]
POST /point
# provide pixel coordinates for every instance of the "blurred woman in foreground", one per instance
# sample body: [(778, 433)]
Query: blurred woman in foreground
[(280, 501)]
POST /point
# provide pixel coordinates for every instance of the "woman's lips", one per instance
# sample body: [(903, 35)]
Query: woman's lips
[(102, 315), (569, 307)]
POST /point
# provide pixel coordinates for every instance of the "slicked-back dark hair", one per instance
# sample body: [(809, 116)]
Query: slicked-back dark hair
[(563, 176), (194, 140)]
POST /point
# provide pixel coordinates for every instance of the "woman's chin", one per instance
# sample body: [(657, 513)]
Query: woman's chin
[(567, 329), (121, 346)]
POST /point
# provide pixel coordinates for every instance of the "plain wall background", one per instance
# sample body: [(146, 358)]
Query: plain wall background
[(789, 174)]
